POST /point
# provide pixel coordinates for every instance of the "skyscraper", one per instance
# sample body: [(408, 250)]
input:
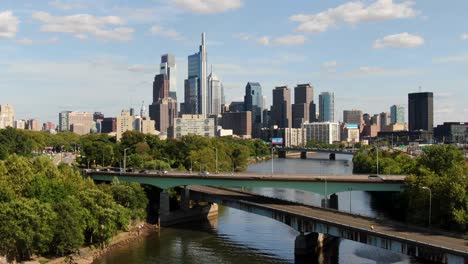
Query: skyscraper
[(352, 117), (303, 109), (253, 102), (281, 109), (215, 94), (397, 113), (197, 73), (168, 67), (160, 87), (385, 119), (327, 107), (7, 116), (421, 111)]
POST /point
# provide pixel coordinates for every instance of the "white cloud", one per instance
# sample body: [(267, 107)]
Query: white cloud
[(464, 36), (106, 27), (66, 6), (166, 32), (208, 6), (289, 40), (354, 13), (330, 64), (402, 40), (242, 36), (372, 71), (455, 58), (24, 41), (8, 25)]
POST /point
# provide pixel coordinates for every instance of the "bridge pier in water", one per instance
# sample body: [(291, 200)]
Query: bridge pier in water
[(282, 154), (303, 155), (184, 212), (331, 202)]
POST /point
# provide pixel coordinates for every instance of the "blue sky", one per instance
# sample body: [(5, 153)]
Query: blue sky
[(102, 55)]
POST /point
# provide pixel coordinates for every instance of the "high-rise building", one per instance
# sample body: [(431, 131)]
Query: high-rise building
[(281, 109), (352, 117), (80, 122), (64, 124), (350, 133), (397, 113), (194, 124), (385, 119), (109, 125), (7, 116), (197, 79), (125, 122), (253, 102), (48, 126), (239, 122), (322, 132), (303, 109), (20, 124), (168, 68), (421, 111), (163, 112), (327, 107), (160, 87), (34, 125), (215, 94)]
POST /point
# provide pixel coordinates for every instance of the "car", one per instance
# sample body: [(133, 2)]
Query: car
[(162, 172), (204, 173), (144, 171), (376, 177)]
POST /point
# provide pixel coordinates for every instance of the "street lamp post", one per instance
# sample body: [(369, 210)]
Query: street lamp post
[(430, 202), (125, 160), (272, 158)]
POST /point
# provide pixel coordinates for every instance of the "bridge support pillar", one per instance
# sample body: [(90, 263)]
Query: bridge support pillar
[(303, 155), (281, 154), (164, 207), (333, 201), (305, 245), (185, 199)]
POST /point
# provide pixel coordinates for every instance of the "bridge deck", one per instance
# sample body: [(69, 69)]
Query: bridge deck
[(394, 230)]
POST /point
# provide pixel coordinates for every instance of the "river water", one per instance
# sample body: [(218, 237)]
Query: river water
[(241, 237)]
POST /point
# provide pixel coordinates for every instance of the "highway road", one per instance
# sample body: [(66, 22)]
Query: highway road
[(394, 230), (269, 177)]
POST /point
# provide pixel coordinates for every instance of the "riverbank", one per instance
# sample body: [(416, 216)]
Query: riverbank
[(88, 255)]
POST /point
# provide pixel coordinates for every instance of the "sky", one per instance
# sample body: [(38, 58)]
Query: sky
[(102, 55)]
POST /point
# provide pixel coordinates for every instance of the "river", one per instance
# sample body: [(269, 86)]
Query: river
[(240, 237)]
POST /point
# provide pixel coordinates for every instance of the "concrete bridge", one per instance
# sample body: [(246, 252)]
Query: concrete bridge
[(321, 184), (414, 241), (283, 151)]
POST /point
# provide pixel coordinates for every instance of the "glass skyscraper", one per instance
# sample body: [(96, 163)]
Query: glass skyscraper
[(253, 101), (397, 113), (197, 64), (327, 107)]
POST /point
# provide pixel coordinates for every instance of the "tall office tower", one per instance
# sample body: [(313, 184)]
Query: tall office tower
[(191, 96), (397, 112), (20, 124), (253, 102), (7, 116), (281, 109), (64, 124), (163, 113), (109, 125), (34, 125), (385, 119), (327, 107), (168, 67), (375, 120), (215, 94), (160, 87), (303, 109), (421, 111), (80, 122), (367, 119), (352, 117), (197, 74), (125, 122)]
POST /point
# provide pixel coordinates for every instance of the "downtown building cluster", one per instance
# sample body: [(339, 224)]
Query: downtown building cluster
[(204, 112)]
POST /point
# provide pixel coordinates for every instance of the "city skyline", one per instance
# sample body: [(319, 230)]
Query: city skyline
[(113, 63)]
